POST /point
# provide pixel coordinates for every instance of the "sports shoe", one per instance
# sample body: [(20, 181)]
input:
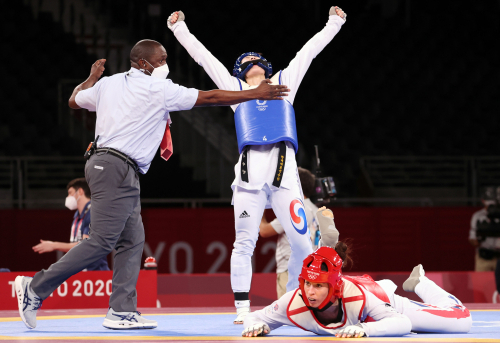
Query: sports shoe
[(329, 233), (127, 320), (241, 313), (416, 276), (27, 301)]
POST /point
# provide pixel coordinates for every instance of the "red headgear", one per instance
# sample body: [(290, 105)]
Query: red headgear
[(311, 271)]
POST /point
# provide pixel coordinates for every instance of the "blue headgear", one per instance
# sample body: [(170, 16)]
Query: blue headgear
[(240, 69)]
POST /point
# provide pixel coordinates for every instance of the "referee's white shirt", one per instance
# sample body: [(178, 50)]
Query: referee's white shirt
[(133, 112)]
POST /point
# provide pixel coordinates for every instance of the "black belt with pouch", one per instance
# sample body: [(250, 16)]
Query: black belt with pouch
[(91, 148), (117, 153)]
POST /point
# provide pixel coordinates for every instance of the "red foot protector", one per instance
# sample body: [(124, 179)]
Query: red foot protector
[(83, 290)]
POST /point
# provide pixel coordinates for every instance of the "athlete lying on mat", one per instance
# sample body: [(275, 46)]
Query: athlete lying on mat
[(328, 303)]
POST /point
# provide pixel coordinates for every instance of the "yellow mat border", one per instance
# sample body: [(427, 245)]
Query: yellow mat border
[(18, 319)]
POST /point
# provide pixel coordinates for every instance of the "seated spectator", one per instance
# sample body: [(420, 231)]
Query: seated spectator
[(78, 199)]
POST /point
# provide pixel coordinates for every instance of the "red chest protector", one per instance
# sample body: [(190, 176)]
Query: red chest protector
[(371, 286)]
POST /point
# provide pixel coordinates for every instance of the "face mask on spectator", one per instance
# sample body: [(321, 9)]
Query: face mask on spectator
[(71, 202), (160, 72)]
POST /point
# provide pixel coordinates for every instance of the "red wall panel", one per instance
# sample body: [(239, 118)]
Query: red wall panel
[(200, 240), (215, 290), (82, 290)]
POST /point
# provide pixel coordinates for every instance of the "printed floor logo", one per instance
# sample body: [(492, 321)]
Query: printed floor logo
[(261, 105), (298, 216)]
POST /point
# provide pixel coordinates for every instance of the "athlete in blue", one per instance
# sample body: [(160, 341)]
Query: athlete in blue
[(266, 173)]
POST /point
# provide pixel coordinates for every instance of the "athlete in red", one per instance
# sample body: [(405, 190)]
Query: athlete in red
[(329, 303)]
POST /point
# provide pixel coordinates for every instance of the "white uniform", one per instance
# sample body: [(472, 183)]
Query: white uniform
[(251, 198), (377, 317), (283, 250)]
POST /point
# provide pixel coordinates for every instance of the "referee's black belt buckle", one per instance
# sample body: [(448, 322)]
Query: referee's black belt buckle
[(117, 153)]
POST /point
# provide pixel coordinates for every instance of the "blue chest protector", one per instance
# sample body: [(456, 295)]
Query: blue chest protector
[(260, 122)]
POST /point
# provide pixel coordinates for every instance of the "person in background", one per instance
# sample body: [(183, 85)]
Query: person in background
[(78, 199), (487, 250), (283, 249)]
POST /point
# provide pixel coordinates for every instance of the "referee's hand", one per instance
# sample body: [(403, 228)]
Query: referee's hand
[(97, 69), (266, 91)]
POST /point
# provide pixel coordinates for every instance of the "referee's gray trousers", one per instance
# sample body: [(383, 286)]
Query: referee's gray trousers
[(115, 222)]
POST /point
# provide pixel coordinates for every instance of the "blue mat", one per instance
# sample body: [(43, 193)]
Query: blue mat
[(486, 325)]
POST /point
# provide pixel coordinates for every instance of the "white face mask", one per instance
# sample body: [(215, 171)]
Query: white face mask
[(71, 202), (159, 73)]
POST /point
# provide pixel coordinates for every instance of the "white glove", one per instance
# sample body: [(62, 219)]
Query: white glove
[(256, 330), (334, 10), (169, 20), (351, 331)]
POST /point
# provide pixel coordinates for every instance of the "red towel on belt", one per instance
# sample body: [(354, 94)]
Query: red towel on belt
[(166, 147)]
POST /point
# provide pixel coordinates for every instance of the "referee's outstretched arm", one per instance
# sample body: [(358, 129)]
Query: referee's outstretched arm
[(265, 91)]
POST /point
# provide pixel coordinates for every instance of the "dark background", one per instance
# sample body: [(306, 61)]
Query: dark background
[(405, 78), (401, 78)]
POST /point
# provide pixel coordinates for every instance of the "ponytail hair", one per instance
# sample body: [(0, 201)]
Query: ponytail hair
[(344, 250)]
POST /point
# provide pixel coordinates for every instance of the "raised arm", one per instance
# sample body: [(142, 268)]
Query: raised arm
[(264, 91), (215, 69), (95, 73), (294, 73)]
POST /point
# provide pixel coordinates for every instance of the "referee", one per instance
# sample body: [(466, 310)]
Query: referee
[(132, 120)]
